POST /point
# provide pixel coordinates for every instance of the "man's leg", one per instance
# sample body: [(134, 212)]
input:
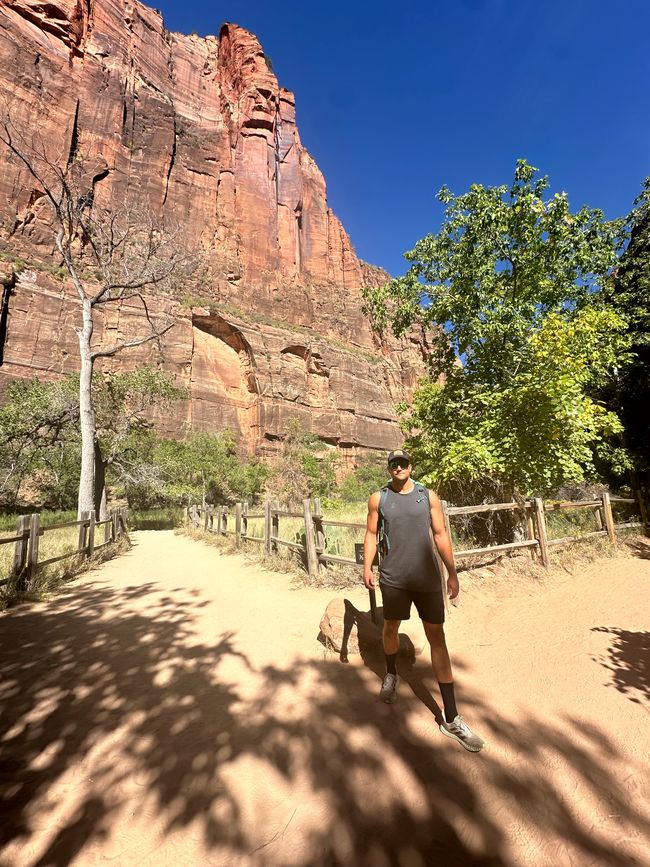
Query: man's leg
[(441, 664), (453, 725), (390, 638)]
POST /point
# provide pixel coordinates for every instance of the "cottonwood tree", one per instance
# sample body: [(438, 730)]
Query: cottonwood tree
[(206, 468), (511, 282), (35, 419), (111, 255), (40, 436)]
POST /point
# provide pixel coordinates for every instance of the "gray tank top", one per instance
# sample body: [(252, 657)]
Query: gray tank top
[(410, 562)]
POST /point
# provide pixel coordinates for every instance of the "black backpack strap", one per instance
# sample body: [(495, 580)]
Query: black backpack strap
[(382, 526)]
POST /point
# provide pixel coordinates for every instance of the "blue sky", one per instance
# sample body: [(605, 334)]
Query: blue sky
[(395, 100)]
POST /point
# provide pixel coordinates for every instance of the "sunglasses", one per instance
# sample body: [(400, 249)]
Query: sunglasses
[(393, 465)]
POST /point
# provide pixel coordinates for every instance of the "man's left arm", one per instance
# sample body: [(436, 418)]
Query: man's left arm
[(443, 544)]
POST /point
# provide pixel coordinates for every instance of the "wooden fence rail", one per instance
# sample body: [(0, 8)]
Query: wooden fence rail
[(311, 542), (26, 542)]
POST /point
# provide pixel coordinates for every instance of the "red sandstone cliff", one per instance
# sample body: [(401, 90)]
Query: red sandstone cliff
[(200, 131)]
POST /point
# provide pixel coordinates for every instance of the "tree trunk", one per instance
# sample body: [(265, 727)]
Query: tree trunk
[(101, 511), (86, 501)]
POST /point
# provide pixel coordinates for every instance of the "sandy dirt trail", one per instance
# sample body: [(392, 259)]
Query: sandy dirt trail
[(173, 707)]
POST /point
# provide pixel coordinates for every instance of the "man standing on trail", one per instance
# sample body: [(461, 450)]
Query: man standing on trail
[(407, 521)]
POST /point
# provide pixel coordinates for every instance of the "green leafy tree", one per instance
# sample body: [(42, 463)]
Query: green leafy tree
[(511, 285), (369, 476), (40, 438), (629, 392), (125, 408), (35, 454), (305, 467), (205, 468)]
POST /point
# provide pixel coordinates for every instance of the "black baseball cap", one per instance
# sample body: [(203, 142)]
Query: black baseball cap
[(399, 453)]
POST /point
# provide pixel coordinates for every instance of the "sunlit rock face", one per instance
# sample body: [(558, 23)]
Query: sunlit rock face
[(199, 131)]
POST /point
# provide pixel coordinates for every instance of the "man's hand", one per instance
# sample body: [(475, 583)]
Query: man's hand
[(453, 587), (368, 579)]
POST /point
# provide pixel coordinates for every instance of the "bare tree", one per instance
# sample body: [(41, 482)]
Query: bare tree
[(110, 255)]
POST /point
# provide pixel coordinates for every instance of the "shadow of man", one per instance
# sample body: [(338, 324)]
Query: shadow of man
[(371, 649)]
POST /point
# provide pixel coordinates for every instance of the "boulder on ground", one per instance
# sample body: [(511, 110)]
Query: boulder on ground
[(345, 629)]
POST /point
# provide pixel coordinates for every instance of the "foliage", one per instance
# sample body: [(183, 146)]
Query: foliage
[(204, 468), (304, 467), (125, 404), (513, 279), (40, 440), (369, 476), (33, 421), (629, 293)]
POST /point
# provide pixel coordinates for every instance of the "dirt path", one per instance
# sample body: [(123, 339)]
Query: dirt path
[(173, 707)]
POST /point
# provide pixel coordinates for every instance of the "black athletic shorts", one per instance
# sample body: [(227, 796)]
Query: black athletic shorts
[(397, 604)]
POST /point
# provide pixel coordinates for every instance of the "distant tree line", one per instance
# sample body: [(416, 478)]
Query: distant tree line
[(40, 445)]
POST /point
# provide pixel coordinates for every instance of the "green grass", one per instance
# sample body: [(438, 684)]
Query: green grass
[(571, 522), (8, 521), (167, 518)]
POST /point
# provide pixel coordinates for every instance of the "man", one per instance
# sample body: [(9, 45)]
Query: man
[(409, 521)]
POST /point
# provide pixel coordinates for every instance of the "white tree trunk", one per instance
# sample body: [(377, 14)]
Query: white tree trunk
[(86, 414)]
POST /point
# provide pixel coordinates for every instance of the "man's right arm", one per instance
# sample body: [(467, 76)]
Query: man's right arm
[(370, 540)]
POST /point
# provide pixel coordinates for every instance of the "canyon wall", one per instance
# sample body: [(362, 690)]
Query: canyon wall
[(199, 132)]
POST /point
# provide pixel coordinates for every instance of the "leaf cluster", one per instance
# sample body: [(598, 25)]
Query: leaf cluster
[(514, 278)]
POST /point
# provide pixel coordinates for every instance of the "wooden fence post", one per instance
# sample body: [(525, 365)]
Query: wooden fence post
[(318, 523), (32, 556), (542, 538), (609, 518), (267, 526), (275, 525), (22, 545), (81, 544), (310, 542), (598, 514), (206, 518), (244, 518), (530, 527), (107, 532), (238, 512), (224, 521), (91, 535)]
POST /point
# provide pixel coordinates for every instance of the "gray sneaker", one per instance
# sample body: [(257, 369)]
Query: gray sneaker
[(461, 732), (388, 692)]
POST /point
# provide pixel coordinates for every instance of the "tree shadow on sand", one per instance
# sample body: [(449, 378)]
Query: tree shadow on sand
[(88, 666), (629, 661)]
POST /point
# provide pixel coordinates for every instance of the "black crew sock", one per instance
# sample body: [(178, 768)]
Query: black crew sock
[(391, 663), (449, 700)]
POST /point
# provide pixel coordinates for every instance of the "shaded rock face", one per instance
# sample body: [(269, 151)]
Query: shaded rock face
[(198, 130)]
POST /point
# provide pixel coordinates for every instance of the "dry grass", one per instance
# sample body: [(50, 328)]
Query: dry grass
[(49, 579), (340, 542)]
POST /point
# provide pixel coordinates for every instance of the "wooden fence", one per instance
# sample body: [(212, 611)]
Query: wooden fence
[(223, 520), (29, 531)]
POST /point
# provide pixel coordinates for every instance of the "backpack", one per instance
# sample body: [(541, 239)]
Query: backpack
[(383, 539)]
